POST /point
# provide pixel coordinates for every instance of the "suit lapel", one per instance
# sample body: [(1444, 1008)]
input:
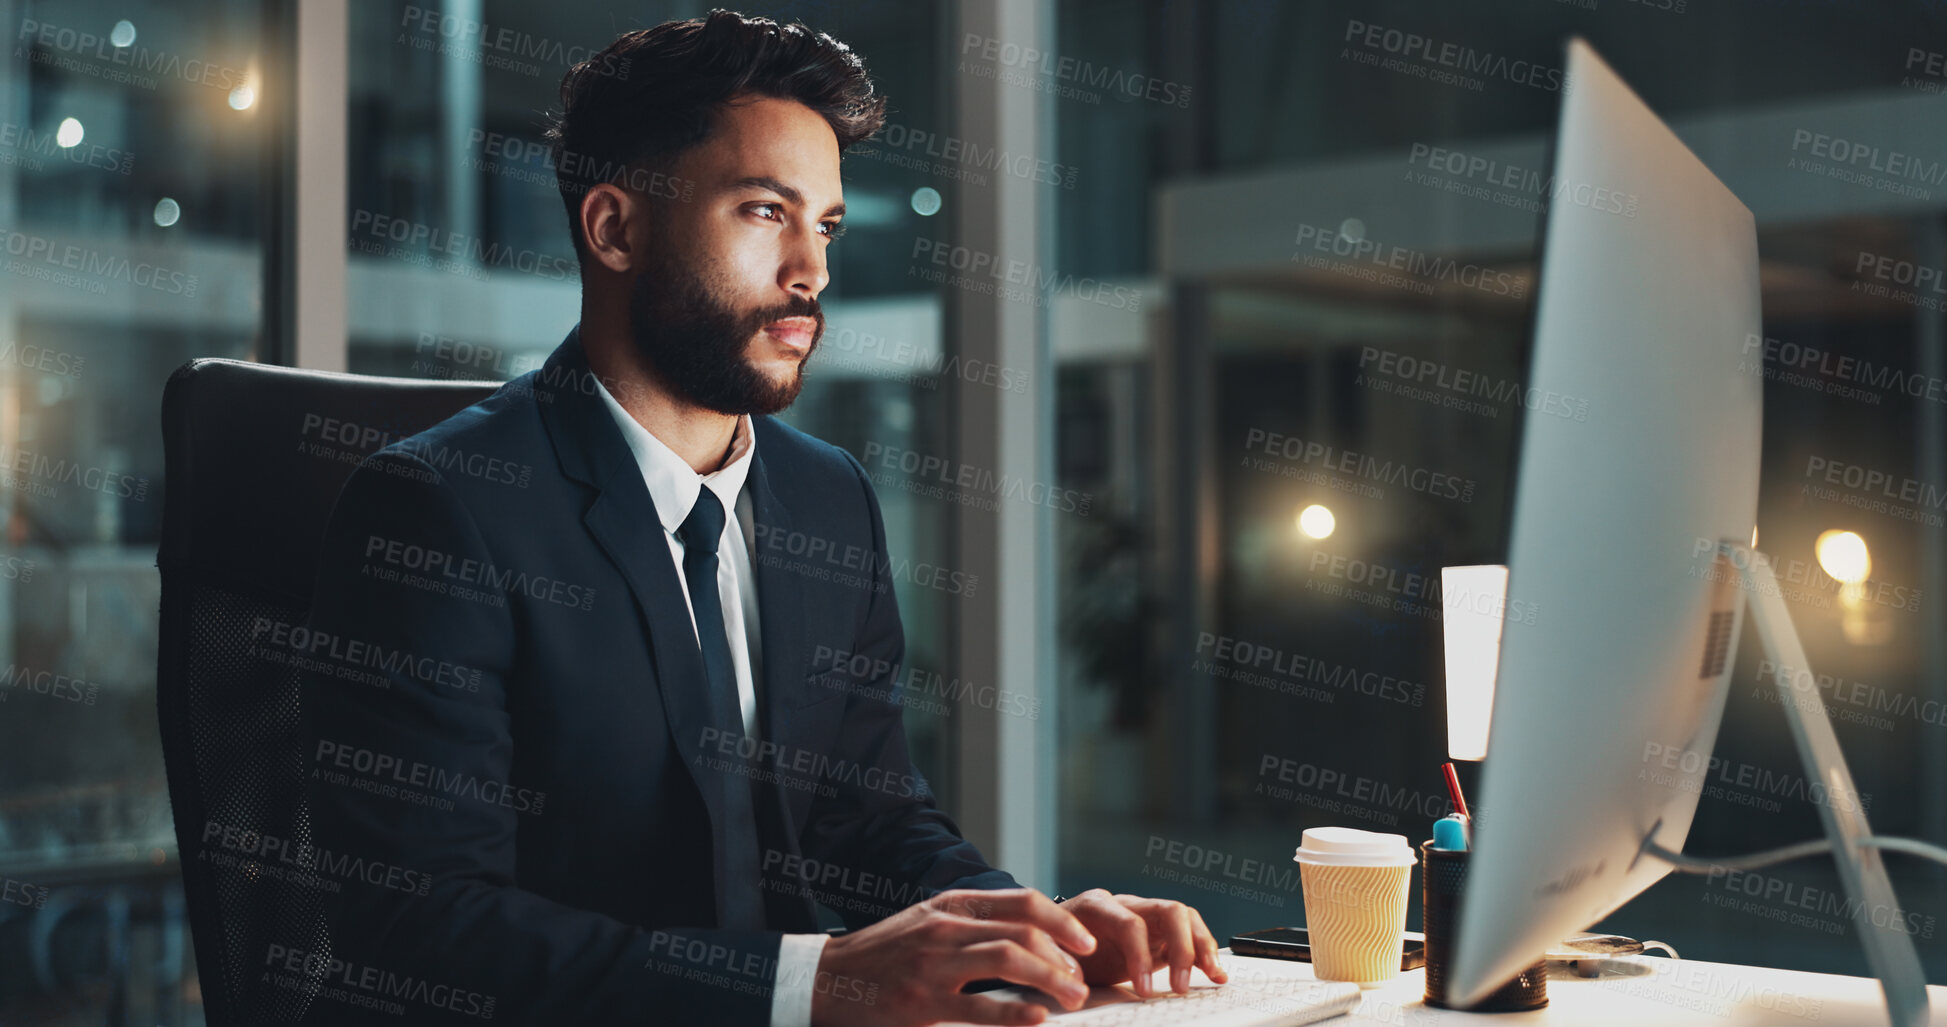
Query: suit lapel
[(780, 610), (623, 521), (780, 615)]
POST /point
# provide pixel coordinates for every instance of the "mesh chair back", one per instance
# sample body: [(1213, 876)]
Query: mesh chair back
[(254, 458)]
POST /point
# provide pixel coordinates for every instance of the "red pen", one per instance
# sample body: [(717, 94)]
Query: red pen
[(1453, 790)]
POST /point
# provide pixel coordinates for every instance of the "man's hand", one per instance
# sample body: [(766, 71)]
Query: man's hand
[(1136, 935), (914, 963)]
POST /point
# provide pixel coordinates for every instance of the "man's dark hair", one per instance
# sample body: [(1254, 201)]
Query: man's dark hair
[(633, 109)]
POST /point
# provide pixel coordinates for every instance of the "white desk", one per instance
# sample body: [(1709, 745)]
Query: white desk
[(1632, 992)]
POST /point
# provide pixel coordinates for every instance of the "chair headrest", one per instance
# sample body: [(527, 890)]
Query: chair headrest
[(255, 454)]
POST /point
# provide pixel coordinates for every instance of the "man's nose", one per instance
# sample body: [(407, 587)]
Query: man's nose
[(804, 272)]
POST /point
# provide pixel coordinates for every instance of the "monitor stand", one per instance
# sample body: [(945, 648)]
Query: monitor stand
[(1889, 949)]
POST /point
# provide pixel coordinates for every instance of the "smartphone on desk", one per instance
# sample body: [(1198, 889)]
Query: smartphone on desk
[(1295, 943)]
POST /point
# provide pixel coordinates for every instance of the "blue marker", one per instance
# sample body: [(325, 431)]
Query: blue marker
[(1450, 833)]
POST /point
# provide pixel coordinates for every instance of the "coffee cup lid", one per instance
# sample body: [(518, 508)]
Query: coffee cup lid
[(1349, 846)]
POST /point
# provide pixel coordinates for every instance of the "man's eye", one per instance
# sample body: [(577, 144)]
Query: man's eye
[(833, 229)]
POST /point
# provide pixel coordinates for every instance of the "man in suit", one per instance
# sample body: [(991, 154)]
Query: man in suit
[(605, 738)]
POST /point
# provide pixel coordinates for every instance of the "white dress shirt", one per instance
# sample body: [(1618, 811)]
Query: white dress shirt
[(674, 486)]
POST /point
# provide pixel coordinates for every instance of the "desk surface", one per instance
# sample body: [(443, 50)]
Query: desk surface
[(1631, 991)]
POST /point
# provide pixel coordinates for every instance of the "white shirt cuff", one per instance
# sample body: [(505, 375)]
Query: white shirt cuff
[(797, 976)]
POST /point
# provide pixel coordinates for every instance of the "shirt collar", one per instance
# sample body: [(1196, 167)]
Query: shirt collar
[(673, 484)]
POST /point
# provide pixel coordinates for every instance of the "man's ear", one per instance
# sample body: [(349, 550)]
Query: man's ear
[(608, 216)]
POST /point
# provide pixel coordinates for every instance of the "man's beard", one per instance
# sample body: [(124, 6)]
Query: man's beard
[(696, 346)]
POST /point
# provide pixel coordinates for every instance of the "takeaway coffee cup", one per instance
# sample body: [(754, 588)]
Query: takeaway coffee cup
[(1355, 884)]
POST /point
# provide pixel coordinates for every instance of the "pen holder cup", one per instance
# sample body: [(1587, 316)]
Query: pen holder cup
[(1445, 874)]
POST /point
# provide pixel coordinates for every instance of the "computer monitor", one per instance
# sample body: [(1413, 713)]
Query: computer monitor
[(1630, 519)]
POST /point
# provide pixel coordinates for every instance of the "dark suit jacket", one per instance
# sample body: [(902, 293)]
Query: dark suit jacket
[(507, 712)]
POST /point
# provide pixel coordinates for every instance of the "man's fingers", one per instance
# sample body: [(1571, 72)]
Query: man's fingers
[(1068, 932), (974, 903), (1027, 906), (1042, 944), (1132, 935), (1171, 923), (1012, 962), (1206, 948), (1028, 936)]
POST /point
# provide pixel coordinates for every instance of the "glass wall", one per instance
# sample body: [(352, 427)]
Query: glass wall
[(132, 204), (1290, 680)]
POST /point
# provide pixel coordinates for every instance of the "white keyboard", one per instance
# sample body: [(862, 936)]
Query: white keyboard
[(1253, 1001)]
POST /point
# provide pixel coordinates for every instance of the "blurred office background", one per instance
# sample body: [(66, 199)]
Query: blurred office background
[(1182, 189)]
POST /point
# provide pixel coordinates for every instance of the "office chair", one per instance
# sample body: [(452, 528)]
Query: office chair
[(254, 456)]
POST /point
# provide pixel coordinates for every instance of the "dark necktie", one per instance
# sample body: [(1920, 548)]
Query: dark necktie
[(740, 899)]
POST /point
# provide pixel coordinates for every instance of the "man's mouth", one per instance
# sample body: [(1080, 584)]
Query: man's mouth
[(794, 332)]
